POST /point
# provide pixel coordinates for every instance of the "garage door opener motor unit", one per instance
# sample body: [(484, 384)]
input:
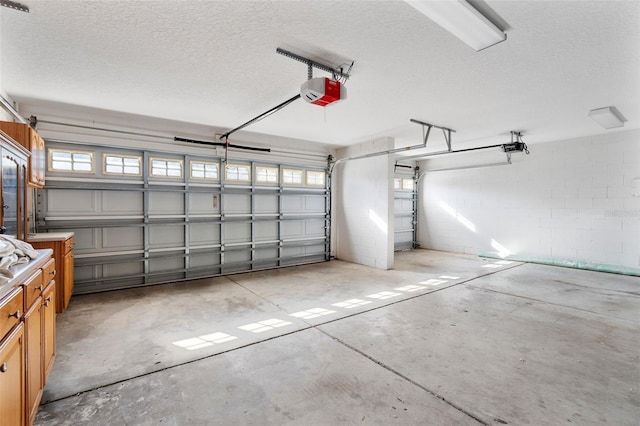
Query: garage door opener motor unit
[(323, 91)]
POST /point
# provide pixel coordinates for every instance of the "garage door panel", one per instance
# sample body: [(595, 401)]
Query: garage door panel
[(237, 261), (237, 203), (123, 269), (122, 238), (303, 250), (204, 203), (266, 203), (314, 204), (403, 223), (84, 272), (296, 255), (238, 232), (314, 228), (292, 203), (293, 229), (166, 264), (266, 231), (122, 202), (295, 203), (204, 233), (166, 236), (166, 202), (85, 240), (204, 260), (71, 202), (266, 253), (403, 204)]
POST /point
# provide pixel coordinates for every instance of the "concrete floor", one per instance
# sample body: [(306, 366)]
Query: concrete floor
[(443, 339)]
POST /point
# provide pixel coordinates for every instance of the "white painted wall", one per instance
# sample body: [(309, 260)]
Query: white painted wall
[(363, 205), (4, 115), (574, 202)]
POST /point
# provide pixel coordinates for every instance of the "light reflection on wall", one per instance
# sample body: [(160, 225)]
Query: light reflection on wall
[(378, 221), (460, 218)]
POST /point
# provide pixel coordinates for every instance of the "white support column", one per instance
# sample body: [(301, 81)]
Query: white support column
[(363, 205)]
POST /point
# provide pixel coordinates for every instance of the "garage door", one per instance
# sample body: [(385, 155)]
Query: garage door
[(143, 217), (405, 209)]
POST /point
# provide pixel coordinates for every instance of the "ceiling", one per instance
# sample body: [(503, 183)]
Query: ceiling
[(215, 63)]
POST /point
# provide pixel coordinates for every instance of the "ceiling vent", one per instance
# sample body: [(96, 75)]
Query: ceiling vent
[(322, 91)]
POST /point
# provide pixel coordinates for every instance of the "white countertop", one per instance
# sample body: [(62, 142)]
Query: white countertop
[(22, 271), (49, 236)]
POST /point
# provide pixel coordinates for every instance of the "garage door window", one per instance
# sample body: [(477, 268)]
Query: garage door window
[(403, 184), (292, 176), (266, 174), (70, 161), (161, 167), (315, 178), (122, 165), (237, 173), (201, 170)]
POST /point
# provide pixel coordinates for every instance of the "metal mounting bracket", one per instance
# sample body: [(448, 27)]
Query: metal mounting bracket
[(425, 135), (336, 73)]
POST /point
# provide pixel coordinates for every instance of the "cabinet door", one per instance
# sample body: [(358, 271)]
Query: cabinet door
[(68, 277), (10, 196), (49, 329), (33, 322), (12, 378), (37, 160), (13, 185)]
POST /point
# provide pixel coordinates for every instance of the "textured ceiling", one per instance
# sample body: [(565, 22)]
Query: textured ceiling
[(214, 63)]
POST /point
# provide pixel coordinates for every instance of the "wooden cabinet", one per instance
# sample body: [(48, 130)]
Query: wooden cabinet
[(11, 310), (31, 140), (38, 162), (12, 378), (27, 338), (48, 330), (33, 320), (12, 359), (13, 165), (62, 245)]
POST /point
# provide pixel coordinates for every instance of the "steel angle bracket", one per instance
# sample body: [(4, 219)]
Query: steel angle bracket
[(428, 126)]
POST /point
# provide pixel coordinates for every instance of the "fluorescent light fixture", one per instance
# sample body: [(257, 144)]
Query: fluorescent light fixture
[(462, 20), (14, 5), (608, 117)]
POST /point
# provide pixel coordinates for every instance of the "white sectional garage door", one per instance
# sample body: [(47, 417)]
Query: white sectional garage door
[(404, 209), (144, 218)]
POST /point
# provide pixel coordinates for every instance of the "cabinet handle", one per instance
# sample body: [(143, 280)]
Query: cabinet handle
[(4, 367), (15, 314), (38, 288)]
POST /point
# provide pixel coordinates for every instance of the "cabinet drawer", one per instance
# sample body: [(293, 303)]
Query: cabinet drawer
[(11, 310), (32, 289), (48, 272), (68, 245)]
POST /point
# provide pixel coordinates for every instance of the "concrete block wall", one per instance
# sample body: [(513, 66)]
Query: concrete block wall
[(573, 202), (363, 206)]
